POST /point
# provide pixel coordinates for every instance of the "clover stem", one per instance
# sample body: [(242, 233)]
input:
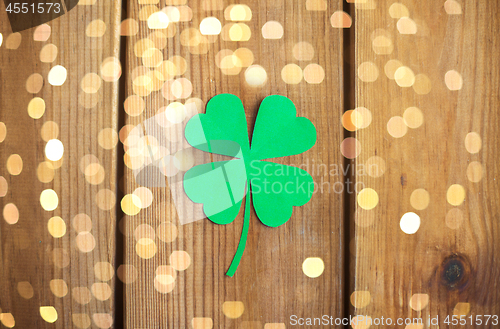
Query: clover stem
[(244, 234)]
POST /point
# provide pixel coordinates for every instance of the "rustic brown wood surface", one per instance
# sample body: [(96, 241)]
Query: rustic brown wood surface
[(269, 285), (59, 263), (439, 162), (422, 219)]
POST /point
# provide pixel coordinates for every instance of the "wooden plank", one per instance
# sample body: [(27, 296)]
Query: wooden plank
[(73, 273), (448, 70), (269, 285)]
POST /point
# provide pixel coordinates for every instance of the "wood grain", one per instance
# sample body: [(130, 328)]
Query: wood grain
[(31, 257), (269, 282), (449, 261)]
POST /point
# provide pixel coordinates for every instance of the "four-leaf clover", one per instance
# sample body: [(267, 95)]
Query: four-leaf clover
[(275, 188)]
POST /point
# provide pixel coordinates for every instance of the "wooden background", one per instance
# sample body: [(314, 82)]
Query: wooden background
[(403, 96)]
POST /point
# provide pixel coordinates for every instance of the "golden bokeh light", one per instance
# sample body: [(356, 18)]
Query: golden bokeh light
[(413, 117), (406, 25), (158, 20), (316, 5), (144, 231), (3, 131), (367, 198), (404, 77), (107, 138), (36, 108), (145, 196), (381, 42), (360, 299), (104, 271), (453, 80), (202, 323), (101, 291), (60, 257), (245, 57), (398, 10), (111, 69), (313, 267), (419, 199), (474, 172), (146, 11), (85, 242), (127, 273), (145, 248), (238, 12), (105, 199), (291, 74), (350, 148), (58, 287), (81, 320), (173, 13), (4, 187), (54, 150), (134, 105), (272, 30), (42, 33), (473, 142), (452, 7), (152, 57), (274, 326), (180, 260), (10, 213), (13, 41), (255, 75), (347, 121), (48, 54), (341, 20), (455, 195), (422, 85), (461, 309), (56, 227), (129, 27), (303, 51), (57, 75), (368, 72), (314, 74), (48, 313), (210, 26), (361, 117), (419, 301), (14, 164), (410, 223), (238, 32), (142, 45), (50, 130), (81, 295), (7, 320), (233, 310), (102, 320), (396, 127), (34, 83), (167, 232), (49, 200), (90, 83)]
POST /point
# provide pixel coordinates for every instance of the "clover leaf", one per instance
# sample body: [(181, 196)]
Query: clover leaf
[(221, 186)]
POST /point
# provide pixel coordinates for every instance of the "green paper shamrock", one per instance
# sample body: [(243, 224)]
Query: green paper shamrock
[(221, 186)]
